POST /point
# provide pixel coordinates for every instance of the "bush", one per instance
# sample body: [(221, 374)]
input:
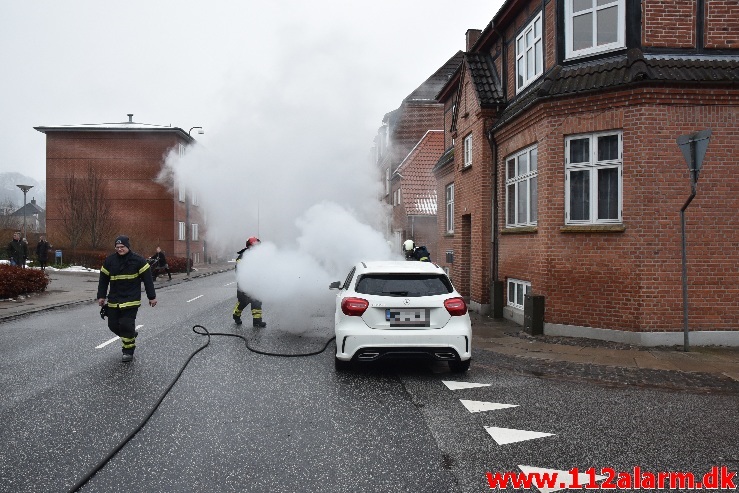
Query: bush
[(178, 264), (15, 281)]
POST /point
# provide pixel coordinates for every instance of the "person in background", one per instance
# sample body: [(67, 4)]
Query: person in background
[(408, 248), (243, 299), (42, 252), (421, 254), (17, 250), (161, 263), (124, 271)]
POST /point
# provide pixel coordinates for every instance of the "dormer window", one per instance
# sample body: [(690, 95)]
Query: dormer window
[(529, 54), (594, 26)]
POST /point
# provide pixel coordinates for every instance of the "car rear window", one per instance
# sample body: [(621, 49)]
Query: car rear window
[(410, 285)]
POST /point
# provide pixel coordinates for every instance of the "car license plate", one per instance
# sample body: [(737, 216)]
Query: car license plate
[(398, 317)]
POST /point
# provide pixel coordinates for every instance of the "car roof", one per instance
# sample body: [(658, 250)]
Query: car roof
[(398, 266)]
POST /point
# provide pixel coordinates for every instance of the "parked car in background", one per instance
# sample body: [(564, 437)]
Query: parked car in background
[(400, 309)]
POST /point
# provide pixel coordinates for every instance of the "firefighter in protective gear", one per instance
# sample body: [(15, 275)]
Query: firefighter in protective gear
[(408, 249), (243, 299), (124, 271)]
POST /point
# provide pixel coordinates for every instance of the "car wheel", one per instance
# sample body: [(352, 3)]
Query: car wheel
[(460, 366), (341, 365)]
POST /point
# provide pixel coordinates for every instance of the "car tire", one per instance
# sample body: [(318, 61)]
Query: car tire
[(460, 366), (341, 365)]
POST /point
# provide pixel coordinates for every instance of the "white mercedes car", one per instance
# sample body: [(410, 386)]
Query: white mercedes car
[(400, 309)]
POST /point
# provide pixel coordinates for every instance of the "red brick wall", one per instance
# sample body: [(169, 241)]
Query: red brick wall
[(631, 280), (472, 201), (128, 162), (669, 23), (722, 24)]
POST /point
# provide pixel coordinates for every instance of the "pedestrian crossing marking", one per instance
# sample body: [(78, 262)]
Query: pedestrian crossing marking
[(481, 406), (564, 478), (504, 436), (452, 385)]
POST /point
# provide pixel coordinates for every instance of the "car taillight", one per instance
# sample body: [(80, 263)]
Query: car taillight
[(455, 306), (354, 307)]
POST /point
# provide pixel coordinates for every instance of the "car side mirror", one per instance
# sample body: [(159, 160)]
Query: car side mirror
[(335, 285)]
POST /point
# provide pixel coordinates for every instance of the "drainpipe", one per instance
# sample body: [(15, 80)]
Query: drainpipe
[(496, 286)]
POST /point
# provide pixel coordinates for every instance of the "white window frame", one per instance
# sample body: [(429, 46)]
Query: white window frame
[(529, 54), (468, 151), (182, 192), (195, 229), (449, 194), (387, 181), (522, 176), (516, 290), (593, 166), (593, 11), (194, 198), (181, 232)]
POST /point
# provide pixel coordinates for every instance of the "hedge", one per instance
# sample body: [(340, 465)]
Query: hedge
[(15, 281)]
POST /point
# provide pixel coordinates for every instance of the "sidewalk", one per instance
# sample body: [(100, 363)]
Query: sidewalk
[(497, 343)]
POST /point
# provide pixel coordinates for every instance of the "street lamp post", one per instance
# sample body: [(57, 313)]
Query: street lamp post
[(25, 189), (187, 212)]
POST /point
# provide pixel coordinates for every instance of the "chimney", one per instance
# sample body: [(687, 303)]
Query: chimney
[(472, 36), (33, 201), (130, 115)]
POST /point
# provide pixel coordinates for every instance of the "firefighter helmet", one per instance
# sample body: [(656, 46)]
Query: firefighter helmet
[(253, 240), (408, 245)]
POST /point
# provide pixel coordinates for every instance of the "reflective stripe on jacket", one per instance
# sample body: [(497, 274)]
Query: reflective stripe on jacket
[(124, 274)]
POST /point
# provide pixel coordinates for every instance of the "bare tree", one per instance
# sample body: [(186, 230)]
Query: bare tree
[(73, 210), (7, 220), (98, 211)]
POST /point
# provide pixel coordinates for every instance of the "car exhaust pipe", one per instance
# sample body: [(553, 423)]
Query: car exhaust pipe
[(368, 356), (445, 356)]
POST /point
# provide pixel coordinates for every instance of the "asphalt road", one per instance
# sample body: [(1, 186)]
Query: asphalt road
[(241, 421)]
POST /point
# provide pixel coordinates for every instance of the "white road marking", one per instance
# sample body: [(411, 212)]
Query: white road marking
[(480, 406), (563, 477), (230, 283), (113, 339), (188, 301), (504, 436), (463, 385)]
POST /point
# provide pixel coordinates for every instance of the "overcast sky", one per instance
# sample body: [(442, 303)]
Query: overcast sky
[(196, 63)]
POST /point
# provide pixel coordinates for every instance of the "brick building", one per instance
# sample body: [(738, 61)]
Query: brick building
[(568, 181), (401, 132), (414, 196), (117, 165)]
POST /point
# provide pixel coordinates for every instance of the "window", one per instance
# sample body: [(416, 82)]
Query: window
[(468, 151), (404, 285), (181, 234), (387, 181), (182, 191), (396, 197), (593, 26), (194, 232), (516, 291), (593, 178), (529, 54), (450, 208), (522, 192), (194, 198)]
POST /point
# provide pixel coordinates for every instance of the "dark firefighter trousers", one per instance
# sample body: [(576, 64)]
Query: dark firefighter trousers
[(122, 322), (244, 300)]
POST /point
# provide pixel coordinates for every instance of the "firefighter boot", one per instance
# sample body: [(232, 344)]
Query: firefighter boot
[(259, 324), (237, 319)]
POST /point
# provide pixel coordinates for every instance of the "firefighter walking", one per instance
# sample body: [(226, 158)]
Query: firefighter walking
[(124, 271), (244, 299)]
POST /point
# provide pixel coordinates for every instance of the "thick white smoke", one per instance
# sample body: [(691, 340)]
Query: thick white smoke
[(316, 209)]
